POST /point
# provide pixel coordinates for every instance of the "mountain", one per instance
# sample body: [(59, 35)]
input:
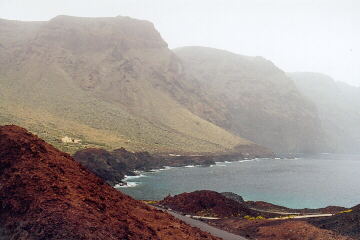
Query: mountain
[(339, 109), (45, 194), (106, 83), (260, 102)]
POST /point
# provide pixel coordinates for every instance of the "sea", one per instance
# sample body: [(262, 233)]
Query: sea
[(306, 182)]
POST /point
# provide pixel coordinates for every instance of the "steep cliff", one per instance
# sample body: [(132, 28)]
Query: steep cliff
[(259, 101), (339, 109)]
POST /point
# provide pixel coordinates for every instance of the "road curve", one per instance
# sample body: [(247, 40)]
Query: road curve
[(205, 227)]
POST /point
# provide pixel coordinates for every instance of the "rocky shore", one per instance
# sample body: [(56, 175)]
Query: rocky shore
[(114, 165)]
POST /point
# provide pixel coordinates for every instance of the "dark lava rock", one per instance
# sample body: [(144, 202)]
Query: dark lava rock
[(112, 166), (103, 164), (346, 223), (233, 196)]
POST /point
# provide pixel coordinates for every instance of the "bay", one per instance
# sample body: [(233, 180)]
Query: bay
[(309, 182)]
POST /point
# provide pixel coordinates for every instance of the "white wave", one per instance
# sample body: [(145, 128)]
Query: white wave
[(227, 162), (247, 160), (165, 168), (127, 185), (133, 177), (190, 166)]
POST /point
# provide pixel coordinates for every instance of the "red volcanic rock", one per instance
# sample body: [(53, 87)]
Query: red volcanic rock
[(45, 194), (206, 202), (296, 230)]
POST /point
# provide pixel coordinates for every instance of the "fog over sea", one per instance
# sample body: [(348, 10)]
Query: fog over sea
[(310, 182)]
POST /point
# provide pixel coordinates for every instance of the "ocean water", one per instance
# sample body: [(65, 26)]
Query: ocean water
[(310, 182)]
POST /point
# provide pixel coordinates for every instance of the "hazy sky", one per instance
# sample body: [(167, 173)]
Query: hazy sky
[(297, 35)]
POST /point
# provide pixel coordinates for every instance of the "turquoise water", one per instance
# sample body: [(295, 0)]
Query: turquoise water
[(297, 183)]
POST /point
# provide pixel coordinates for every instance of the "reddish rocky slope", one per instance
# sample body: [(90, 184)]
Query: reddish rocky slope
[(45, 194), (208, 203)]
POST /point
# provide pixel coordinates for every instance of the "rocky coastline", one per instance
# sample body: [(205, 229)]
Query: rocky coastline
[(114, 166)]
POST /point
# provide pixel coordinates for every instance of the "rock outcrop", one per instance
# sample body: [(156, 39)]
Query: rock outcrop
[(207, 203), (233, 196), (46, 194)]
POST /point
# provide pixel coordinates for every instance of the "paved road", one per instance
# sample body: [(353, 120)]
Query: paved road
[(314, 215), (205, 227), (281, 213), (310, 215)]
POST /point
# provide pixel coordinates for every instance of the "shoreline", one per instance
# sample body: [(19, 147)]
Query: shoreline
[(146, 187), (113, 166), (139, 174)]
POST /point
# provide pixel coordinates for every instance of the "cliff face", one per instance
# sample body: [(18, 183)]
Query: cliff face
[(110, 82), (45, 194), (260, 102), (338, 105), (113, 166)]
